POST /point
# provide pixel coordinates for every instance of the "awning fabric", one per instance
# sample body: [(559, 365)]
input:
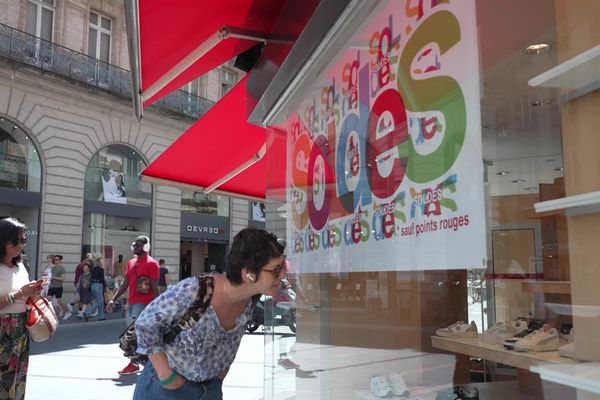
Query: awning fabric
[(169, 31), (218, 143)]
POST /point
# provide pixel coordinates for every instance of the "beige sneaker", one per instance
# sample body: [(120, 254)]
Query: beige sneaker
[(459, 329)]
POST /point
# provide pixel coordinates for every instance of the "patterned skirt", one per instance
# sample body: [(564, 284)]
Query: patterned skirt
[(14, 355)]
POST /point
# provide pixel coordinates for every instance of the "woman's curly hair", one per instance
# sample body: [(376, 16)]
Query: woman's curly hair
[(251, 249)]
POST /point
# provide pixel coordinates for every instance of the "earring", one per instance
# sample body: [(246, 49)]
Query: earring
[(251, 277)]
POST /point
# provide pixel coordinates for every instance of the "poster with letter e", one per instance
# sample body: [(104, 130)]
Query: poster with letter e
[(385, 170)]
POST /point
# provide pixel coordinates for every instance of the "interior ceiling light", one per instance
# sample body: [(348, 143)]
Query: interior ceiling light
[(541, 103), (537, 48), (559, 169), (518, 181), (502, 173), (530, 188)]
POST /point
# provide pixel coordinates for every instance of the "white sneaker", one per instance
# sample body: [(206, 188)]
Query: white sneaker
[(398, 385), (539, 340), (568, 351), (94, 314), (501, 331), (67, 315), (70, 307), (380, 386), (459, 329)]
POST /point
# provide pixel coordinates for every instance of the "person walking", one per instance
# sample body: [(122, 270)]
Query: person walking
[(84, 288), (56, 286), (194, 364), (163, 280), (141, 283), (87, 259), (15, 289), (47, 274), (98, 287)]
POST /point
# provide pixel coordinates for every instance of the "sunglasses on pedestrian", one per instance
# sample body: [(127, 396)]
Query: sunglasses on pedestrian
[(21, 240), (277, 270)]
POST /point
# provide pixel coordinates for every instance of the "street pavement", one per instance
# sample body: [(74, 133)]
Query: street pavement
[(80, 362)]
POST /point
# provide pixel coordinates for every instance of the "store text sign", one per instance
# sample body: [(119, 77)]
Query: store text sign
[(386, 166)]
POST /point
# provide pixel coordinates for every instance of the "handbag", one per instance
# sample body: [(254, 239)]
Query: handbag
[(128, 339), (142, 283), (42, 321)]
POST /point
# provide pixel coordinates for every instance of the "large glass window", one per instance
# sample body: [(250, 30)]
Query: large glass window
[(20, 166), (113, 176), (40, 18), (442, 208), (201, 203), (109, 236)]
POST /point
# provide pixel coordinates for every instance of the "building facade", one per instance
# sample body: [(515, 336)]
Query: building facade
[(71, 150)]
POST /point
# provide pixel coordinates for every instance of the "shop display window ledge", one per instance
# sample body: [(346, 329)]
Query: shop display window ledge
[(584, 376)]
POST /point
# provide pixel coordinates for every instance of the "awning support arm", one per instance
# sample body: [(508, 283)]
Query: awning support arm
[(257, 157), (206, 46)]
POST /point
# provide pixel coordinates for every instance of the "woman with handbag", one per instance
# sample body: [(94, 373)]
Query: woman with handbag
[(192, 363), (15, 289)]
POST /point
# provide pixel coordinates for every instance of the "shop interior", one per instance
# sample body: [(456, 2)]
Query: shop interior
[(201, 256)]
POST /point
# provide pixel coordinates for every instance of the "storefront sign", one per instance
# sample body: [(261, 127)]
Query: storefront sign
[(203, 226), (386, 165)]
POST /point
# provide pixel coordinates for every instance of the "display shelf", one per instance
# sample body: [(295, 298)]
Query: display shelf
[(575, 73), (586, 203), (494, 352), (553, 287), (584, 376)]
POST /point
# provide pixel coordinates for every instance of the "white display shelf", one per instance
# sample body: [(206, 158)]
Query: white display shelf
[(495, 352), (585, 203), (584, 376), (576, 73)]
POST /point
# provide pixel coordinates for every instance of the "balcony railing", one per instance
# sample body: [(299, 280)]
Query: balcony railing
[(27, 49)]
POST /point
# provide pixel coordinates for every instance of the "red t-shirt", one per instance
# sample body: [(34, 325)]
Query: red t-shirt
[(146, 266)]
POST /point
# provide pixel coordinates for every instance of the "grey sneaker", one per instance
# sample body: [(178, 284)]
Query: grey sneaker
[(459, 329)]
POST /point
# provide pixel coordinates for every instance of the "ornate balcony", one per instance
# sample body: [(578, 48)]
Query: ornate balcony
[(22, 47)]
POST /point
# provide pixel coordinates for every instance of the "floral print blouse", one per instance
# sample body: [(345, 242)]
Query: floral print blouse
[(199, 353)]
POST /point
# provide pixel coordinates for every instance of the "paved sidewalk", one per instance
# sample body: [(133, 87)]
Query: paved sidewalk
[(81, 362)]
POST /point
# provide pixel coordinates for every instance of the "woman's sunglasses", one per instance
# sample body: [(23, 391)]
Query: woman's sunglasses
[(21, 240), (277, 270)]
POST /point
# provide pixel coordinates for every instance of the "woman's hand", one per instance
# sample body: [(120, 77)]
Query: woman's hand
[(33, 288)]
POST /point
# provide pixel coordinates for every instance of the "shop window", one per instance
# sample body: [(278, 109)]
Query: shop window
[(109, 236), (228, 80), (201, 203), (20, 166), (113, 176)]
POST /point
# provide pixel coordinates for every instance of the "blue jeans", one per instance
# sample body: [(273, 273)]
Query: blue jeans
[(133, 311), (148, 388), (98, 294)]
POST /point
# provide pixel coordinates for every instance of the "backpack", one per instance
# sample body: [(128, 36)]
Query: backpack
[(128, 339)]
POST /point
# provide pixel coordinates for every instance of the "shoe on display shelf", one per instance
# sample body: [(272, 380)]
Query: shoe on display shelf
[(466, 392), (501, 331), (380, 386), (398, 385), (446, 394), (540, 340), (459, 329), (568, 351)]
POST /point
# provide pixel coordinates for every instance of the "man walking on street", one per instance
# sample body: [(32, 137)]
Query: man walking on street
[(56, 285), (141, 281)]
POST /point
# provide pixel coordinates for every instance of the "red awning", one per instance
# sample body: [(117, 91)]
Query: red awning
[(220, 144), (182, 40)]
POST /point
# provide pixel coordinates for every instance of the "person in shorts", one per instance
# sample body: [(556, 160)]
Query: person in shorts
[(56, 285)]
